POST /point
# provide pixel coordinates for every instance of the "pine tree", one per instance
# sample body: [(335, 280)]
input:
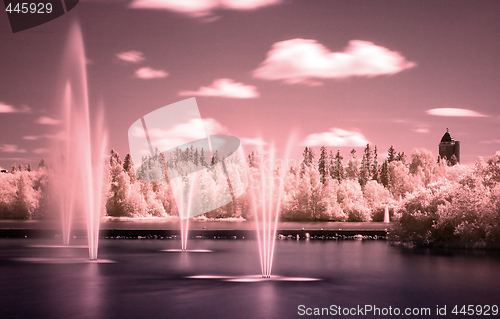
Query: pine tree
[(191, 154), (196, 157), (391, 154), (401, 157), (251, 159), (203, 159), (114, 157), (128, 167), (215, 158), (323, 164), (385, 177), (28, 167), (115, 205), (185, 155), (13, 169), (305, 161), (41, 164), (177, 156), (337, 169), (311, 157), (374, 166), (305, 155), (353, 153), (365, 171), (453, 160)]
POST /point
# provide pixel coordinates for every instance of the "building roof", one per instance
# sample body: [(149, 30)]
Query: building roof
[(447, 137)]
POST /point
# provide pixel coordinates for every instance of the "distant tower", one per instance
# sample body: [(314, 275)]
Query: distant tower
[(449, 147)]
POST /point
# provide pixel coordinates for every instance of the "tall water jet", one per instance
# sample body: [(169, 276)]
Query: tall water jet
[(266, 190), (184, 190), (168, 145), (386, 215), (80, 153)]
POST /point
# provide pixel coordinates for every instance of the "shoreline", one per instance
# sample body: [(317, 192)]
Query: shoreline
[(219, 229)]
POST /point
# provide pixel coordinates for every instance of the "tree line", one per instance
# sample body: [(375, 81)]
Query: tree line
[(429, 199)]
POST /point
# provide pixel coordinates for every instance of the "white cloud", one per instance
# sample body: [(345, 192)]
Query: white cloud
[(11, 148), (213, 127), (497, 141), (225, 88), (148, 73), (181, 133), (201, 8), (40, 151), (301, 60), (131, 56), (38, 137), (454, 112), (336, 137), (253, 141), (421, 128), (46, 120), (6, 108)]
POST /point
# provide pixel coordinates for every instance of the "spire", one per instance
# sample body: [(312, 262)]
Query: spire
[(446, 137)]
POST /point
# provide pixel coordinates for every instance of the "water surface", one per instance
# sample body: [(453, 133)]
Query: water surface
[(147, 283)]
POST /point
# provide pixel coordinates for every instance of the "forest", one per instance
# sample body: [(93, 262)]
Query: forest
[(430, 199)]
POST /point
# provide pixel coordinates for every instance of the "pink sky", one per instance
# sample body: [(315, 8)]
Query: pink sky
[(334, 73)]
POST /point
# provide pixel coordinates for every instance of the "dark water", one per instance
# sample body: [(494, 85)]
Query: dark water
[(147, 283)]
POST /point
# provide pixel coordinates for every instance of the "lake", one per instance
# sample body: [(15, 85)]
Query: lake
[(145, 282)]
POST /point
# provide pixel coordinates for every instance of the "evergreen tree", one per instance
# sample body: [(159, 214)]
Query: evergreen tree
[(128, 167), (391, 154), (185, 155), (196, 157), (352, 169), (191, 154), (306, 161), (337, 169), (365, 171), (116, 197), (305, 155), (215, 158), (202, 158), (41, 164), (177, 156), (323, 164), (28, 167), (401, 157), (13, 169), (311, 157), (453, 160), (374, 166), (114, 157), (251, 159), (385, 176)]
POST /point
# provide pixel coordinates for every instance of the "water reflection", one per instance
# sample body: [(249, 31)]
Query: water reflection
[(145, 282)]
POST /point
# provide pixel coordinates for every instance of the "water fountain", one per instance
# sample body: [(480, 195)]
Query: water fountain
[(386, 215), (80, 151), (266, 200), (168, 145), (266, 188)]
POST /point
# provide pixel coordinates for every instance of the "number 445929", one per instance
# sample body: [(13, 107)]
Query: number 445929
[(30, 8), (478, 310)]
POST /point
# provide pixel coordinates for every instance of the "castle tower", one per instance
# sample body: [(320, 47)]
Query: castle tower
[(449, 147)]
